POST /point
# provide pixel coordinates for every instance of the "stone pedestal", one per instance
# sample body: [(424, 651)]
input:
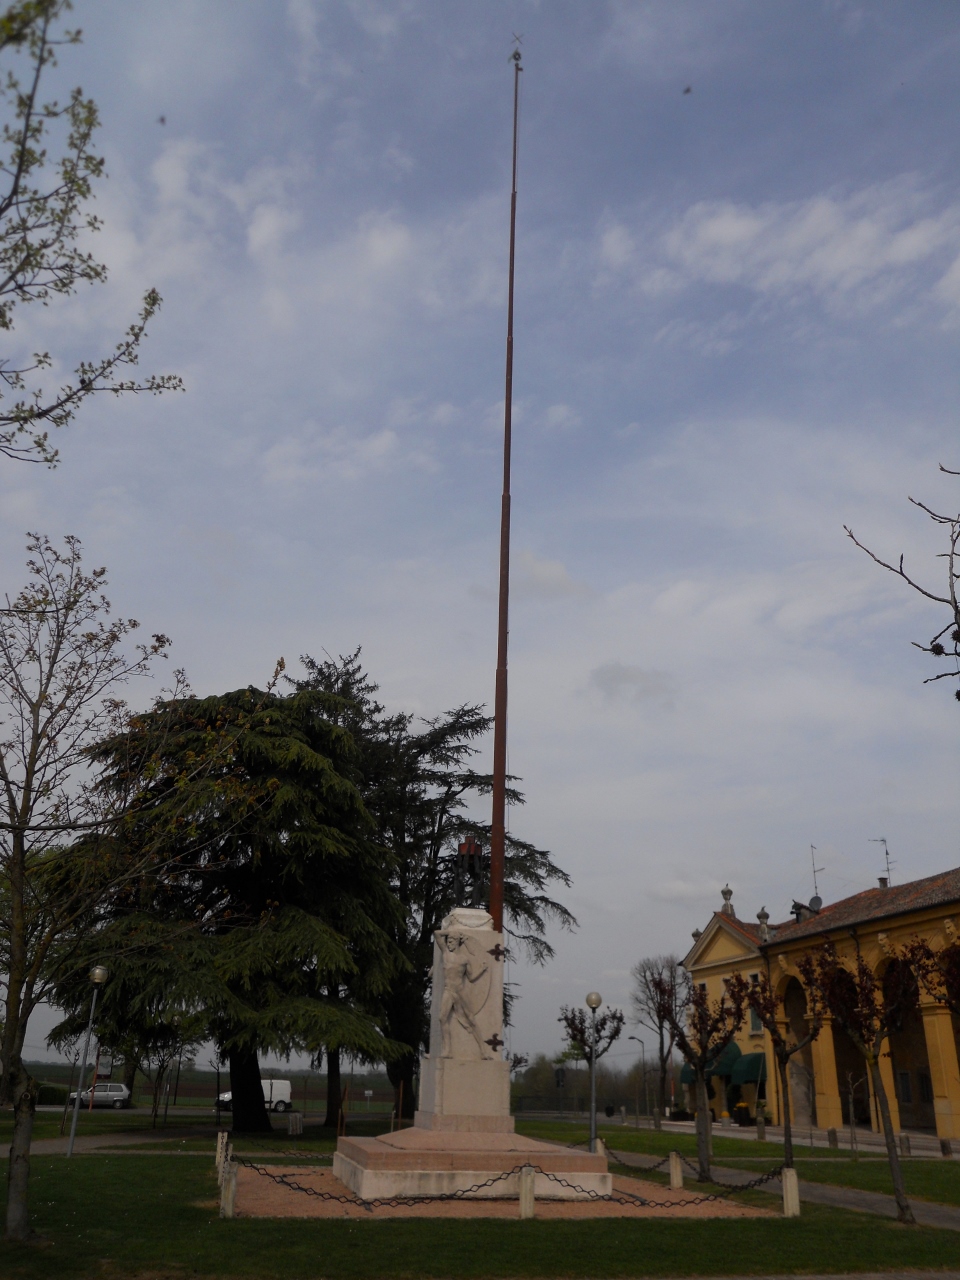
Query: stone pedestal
[(463, 1131)]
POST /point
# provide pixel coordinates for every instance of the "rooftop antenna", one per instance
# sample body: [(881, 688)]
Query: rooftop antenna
[(886, 856), (813, 863), (498, 832)]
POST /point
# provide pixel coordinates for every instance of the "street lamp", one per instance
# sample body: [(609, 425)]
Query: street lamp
[(643, 1059), (594, 1001), (98, 976)]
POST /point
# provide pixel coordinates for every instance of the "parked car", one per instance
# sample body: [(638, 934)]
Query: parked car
[(105, 1095), (277, 1095)]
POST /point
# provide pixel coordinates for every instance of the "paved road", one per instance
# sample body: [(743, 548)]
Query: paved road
[(926, 1213)]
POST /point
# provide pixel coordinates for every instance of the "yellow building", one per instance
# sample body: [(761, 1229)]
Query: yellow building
[(919, 1064)]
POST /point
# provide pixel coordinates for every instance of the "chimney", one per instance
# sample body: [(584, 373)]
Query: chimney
[(883, 882)]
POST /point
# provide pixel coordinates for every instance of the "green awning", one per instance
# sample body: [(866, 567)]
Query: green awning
[(750, 1069), (721, 1066)]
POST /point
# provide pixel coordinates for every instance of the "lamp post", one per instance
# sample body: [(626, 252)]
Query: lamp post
[(98, 976), (594, 1001), (643, 1059)]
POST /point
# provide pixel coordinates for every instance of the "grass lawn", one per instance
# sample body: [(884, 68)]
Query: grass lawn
[(924, 1179), (46, 1124), (119, 1216), (623, 1138)]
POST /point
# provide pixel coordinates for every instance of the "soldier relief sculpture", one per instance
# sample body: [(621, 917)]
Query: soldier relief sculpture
[(466, 993)]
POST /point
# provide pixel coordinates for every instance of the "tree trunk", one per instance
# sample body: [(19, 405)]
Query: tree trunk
[(249, 1108), (401, 1075), (662, 1083), (334, 1090), (703, 1128), (130, 1073), (785, 1112), (24, 1090), (904, 1212)]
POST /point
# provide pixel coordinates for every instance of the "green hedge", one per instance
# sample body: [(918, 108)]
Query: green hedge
[(52, 1095)]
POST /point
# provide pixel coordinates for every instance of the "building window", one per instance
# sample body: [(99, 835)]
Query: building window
[(926, 1088), (904, 1093), (756, 1026), (703, 987)]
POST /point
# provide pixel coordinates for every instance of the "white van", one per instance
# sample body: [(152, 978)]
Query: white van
[(277, 1094)]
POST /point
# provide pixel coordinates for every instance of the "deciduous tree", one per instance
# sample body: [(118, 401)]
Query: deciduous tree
[(702, 1028), (646, 1010), (759, 996), (63, 659), (867, 1008), (48, 166)]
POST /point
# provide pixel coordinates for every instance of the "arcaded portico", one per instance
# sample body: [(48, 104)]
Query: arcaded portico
[(828, 1080)]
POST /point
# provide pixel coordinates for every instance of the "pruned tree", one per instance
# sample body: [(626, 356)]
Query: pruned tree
[(867, 1008), (945, 645), (758, 995), (647, 1012), (48, 166), (938, 971), (579, 1032), (63, 659), (702, 1028)]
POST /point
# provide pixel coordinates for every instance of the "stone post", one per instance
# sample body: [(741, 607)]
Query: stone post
[(656, 1119), (944, 1068), (904, 1144), (832, 1140), (791, 1194), (761, 1128), (676, 1172), (228, 1189), (528, 1180)]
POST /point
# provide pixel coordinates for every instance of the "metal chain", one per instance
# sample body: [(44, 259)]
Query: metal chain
[(395, 1202), (746, 1186)]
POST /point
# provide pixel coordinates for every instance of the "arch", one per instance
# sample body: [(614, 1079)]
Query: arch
[(800, 1076), (908, 1049)]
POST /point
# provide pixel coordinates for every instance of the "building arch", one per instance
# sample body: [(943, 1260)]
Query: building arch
[(907, 1044), (800, 1073)]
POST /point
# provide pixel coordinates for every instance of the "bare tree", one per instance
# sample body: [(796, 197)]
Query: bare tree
[(647, 1012), (43, 217), (945, 645), (759, 996), (702, 1028), (867, 1009), (62, 661)]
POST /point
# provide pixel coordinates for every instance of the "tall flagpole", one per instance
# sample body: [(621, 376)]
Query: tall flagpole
[(498, 824)]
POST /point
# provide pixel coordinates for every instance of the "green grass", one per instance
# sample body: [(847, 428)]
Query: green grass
[(937, 1180), (108, 1217), (649, 1142), (46, 1124)]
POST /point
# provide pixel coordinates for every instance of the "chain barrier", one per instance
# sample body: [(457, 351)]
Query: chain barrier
[(744, 1186), (397, 1202)]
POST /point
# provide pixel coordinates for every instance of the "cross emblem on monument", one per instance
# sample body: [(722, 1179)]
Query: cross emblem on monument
[(494, 1042), (497, 952)]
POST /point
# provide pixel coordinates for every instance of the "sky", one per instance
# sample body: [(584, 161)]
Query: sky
[(737, 325)]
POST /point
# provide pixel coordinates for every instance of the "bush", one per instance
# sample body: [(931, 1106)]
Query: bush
[(51, 1095)]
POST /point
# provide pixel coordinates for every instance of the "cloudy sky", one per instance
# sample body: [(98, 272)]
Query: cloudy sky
[(738, 319)]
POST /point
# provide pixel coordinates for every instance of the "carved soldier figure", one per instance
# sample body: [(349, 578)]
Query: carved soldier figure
[(462, 997)]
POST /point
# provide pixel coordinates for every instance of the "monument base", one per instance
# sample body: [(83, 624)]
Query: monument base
[(431, 1162)]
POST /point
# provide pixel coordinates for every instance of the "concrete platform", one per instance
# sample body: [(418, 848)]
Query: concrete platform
[(429, 1162)]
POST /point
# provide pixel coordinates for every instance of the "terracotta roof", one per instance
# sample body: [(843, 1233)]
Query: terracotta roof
[(873, 904), (750, 931)]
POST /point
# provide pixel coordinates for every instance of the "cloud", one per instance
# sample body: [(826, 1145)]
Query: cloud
[(854, 251), (544, 579), (621, 682)]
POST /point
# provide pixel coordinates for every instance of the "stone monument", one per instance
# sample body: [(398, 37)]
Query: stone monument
[(463, 1132)]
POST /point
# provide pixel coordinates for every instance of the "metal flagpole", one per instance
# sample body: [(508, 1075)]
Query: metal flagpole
[(498, 823)]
